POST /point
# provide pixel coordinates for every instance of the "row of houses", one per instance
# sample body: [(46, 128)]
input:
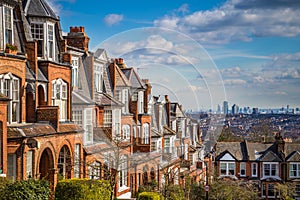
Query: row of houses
[(264, 165), (68, 112)]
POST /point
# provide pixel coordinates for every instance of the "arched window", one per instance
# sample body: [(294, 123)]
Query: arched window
[(123, 172), (146, 133), (95, 170), (145, 175), (126, 132), (60, 97), (64, 163), (10, 86)]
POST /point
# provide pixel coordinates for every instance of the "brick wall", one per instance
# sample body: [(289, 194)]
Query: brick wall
[(49, 113)]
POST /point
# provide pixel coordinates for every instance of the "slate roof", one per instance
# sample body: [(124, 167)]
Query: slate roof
[(133, 77), (39, 129), (79, 98), (38, 8), (121, 79), (234, 148), (259, 151), (104, 99)]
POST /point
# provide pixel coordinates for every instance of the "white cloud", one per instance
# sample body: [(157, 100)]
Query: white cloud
[(112, 19), (235, 82), (237, 20)]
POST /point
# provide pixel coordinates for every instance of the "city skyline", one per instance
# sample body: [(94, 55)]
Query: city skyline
[(246, 52)]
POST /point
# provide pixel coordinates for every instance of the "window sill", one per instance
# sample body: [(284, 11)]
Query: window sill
[(124, 187)]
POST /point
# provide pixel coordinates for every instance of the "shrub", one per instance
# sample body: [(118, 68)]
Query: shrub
[(81, 189), (25, 190), (149, 196)]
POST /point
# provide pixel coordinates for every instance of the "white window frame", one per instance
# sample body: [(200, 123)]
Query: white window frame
[(95, 170), (107, 119), (146, 131), (167, 145), (126, 132), (60, 97), (125, 101), (295, 170), (5, 40), (75, 67), (88, 125), (10, 86), (123, 173), (116, 121), (50, 54), (254, 169), (77, 150), (243, 170), (98, 77), (29, 164), (227, 168), (39, 36), (270, 166), (77, 117), (140, 102)]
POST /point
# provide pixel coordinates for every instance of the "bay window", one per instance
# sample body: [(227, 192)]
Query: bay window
[(294, 170), (8, 25), (140, 102), (227, 168), (270, 169), (44, 34)]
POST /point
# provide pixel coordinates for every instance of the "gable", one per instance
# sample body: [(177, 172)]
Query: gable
[(270, 157), (294, 157), (227, 156)]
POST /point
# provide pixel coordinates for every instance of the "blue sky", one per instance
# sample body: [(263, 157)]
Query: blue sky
[(200, 52)]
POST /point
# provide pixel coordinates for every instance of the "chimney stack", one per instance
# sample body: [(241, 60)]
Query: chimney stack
[(78, 38)]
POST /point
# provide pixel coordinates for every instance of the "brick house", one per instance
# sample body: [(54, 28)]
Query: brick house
[(264, 165), (41, 142)]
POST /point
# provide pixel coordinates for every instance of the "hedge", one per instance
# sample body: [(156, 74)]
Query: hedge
[(24, 190), (82, 189), (149, 196)]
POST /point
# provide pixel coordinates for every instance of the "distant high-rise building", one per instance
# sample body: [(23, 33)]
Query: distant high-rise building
[(234, 109), (218, 109), (225, 107)]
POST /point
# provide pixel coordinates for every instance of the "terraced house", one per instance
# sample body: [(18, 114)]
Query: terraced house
[(264, 165), (68, 112)]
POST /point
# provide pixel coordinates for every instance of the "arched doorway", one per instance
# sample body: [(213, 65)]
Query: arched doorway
[(64, 163), (30, 103), (41, 96), (152, 174), (46, 166), (145, 175)]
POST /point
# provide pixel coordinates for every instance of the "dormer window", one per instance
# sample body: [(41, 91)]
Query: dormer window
[(75, 64), (50, 41), (38, 34), (43, 33), (99, 78), (7, 26)]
